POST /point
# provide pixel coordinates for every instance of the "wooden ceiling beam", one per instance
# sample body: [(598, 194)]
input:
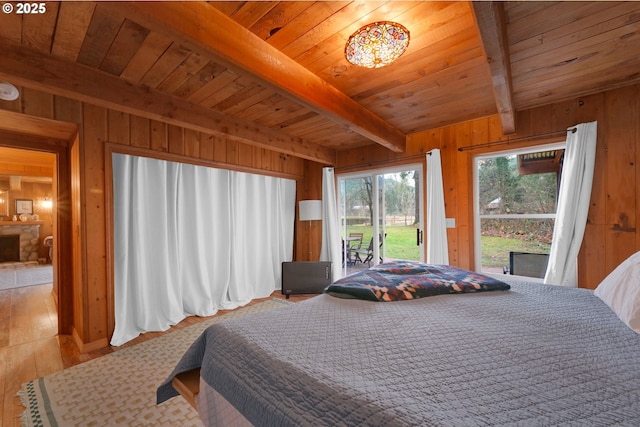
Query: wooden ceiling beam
[(490, 20), (206, 29), (26, 67)]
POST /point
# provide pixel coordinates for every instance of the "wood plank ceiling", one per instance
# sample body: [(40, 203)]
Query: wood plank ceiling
[(274, 74)]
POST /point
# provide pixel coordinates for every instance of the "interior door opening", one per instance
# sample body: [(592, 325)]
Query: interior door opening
[(34, 133), (380, 215), (28, 203)]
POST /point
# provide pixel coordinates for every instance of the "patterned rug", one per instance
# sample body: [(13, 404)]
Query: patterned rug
[(119, 389)]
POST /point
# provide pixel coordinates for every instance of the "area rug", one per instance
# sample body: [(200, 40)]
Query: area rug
[(119, 389), (17, 277)]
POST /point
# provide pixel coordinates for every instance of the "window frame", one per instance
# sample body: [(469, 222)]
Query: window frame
[(477, 217)]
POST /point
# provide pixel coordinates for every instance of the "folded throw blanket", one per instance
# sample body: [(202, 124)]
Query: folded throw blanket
[(403, 280)]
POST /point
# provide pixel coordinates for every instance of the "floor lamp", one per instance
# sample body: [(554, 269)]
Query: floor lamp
[(310, 210)]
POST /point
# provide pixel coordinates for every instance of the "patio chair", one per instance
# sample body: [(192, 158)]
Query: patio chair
[(354, 243), (368, 253)]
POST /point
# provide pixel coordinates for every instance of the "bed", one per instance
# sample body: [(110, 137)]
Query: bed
[(520, 354)]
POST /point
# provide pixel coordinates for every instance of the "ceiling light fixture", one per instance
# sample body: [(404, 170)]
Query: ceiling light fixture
[(377, 44), (8, 92)]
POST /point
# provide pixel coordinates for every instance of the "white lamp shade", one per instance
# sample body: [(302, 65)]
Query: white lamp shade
[(310, 210)]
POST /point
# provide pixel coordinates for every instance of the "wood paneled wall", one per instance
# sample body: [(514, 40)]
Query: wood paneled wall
[(308, 238), (97, 127), (610, 237), (611, 234)]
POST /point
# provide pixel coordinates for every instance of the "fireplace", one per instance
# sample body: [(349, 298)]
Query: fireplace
[(10, 248)]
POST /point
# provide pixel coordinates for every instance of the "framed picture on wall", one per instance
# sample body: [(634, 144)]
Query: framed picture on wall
[(24, 206)]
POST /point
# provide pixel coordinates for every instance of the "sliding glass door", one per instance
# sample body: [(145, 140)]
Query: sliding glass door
[(381, 216)]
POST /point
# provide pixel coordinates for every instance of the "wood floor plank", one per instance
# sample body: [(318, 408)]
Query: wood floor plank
[(21, 311), (20, 324), (5, 316), (22, 367), (4, 373), (47, 356), (44, 321), (21, 364)]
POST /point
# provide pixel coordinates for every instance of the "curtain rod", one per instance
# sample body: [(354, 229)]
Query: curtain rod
[(524, 138)]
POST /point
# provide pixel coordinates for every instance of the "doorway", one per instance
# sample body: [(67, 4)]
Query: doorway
[(34, 135), (26, 218), (381, 215)]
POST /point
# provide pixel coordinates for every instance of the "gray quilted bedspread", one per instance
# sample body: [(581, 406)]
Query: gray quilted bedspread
[(533, 356)]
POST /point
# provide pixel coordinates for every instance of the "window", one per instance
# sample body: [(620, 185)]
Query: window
[(515, 209)]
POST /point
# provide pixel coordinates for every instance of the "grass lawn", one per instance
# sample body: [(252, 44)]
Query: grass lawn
[(495, 250), (401, 244)]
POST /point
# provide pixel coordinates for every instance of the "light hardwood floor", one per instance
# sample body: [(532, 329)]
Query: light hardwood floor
[(30, 346)]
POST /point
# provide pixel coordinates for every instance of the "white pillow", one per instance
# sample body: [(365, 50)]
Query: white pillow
[(621, 291)]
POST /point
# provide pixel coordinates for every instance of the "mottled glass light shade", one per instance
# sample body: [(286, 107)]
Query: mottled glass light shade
[(376, 45)]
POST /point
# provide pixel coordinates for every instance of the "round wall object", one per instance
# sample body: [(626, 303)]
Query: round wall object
[(8, 92)]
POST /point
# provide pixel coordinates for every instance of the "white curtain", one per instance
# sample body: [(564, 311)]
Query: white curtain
[(189, 240), (573, 204), (331, 250), (437, 247)]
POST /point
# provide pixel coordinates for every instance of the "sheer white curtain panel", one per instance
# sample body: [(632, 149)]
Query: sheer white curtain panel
[(190, 240), (437, 246), (573, 204), (331, 250)]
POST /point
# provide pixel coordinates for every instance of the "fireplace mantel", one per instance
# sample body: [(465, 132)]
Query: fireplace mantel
[(6, 223)]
